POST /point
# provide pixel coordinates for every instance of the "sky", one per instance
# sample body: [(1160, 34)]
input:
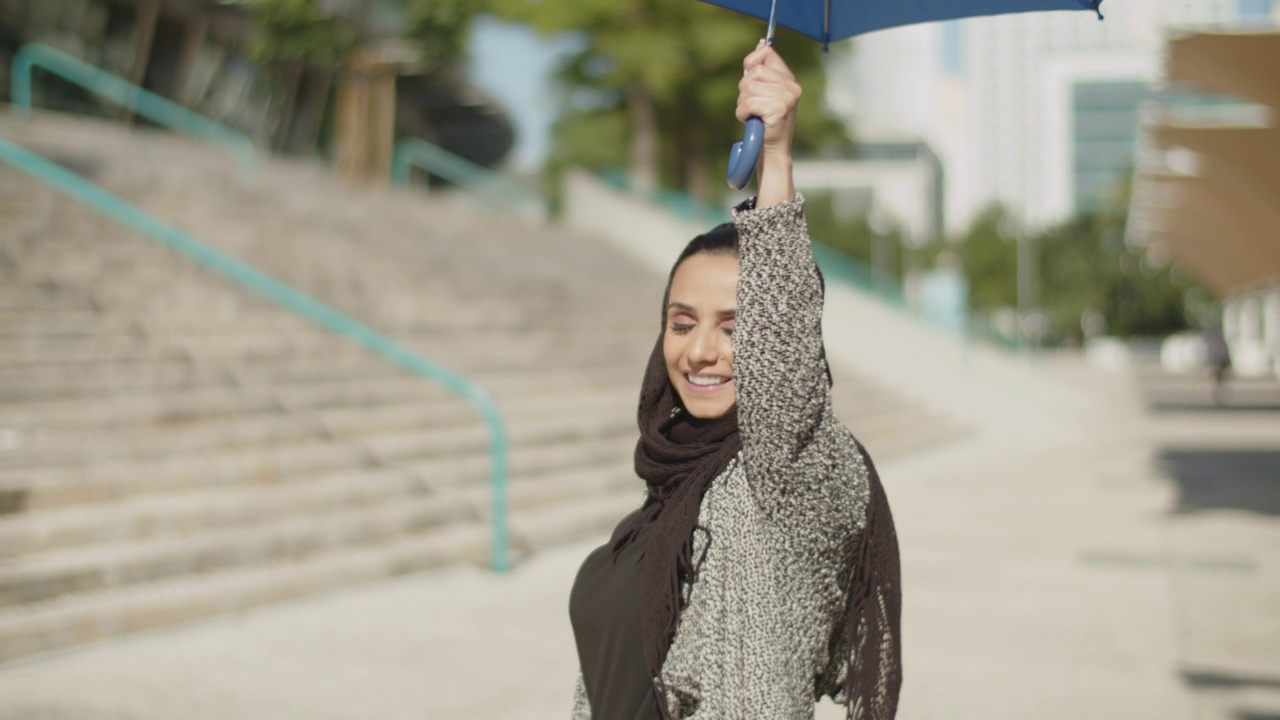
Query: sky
[(515, 65)]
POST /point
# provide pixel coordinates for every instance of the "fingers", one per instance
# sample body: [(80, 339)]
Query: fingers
[(769, 90), (766, 82), (763, 76), (755, 57), (771, 110), (764, 55)]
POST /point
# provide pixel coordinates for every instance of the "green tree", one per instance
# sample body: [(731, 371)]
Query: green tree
[(989, 254), (296, 38), (443, 28), (1084, 265), (296, 30), (666, 72)]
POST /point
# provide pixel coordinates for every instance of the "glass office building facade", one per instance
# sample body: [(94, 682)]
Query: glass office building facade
[(1104, 137)]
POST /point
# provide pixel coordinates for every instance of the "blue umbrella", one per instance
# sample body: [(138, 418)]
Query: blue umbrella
[(830, 20)]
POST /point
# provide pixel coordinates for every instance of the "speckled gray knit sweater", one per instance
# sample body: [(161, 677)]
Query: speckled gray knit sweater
[(762, 634)]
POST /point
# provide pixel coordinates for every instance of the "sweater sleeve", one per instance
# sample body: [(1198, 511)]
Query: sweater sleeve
[(800, 462), (581, 705)]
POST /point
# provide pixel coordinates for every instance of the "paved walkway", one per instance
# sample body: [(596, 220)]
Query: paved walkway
[(1104, 563)]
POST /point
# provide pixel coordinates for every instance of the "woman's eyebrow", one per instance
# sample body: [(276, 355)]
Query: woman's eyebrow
[(730, 312)]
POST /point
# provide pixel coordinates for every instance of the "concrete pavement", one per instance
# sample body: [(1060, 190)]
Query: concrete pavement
[(1106, 561)]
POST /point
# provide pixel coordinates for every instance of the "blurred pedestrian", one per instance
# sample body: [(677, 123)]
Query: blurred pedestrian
[(761, 572), (1219, 360)]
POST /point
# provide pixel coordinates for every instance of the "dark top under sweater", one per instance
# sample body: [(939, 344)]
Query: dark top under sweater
[(605, 607)]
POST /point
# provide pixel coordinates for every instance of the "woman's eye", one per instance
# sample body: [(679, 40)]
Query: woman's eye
[(728, 329), (681, 328)]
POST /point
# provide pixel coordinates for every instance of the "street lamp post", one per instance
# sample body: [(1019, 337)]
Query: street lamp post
[(1028, 289)]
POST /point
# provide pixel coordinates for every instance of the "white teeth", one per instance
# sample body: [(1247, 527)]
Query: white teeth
[(705, 379)]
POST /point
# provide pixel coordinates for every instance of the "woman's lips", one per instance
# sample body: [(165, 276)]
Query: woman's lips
[(706, 389)]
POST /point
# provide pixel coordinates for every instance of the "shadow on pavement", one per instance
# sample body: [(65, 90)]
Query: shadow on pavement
[(1224, 479), (1248, 715), (1212, 680), (1204, 407)]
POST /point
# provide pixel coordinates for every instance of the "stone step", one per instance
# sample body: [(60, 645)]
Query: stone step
[(63, 572), (164, 406), (83, 618), (34, 382), (585, 518), (354, 422), (93, 323), (79, 349), (404, 447), (41, 576), (345, 362), (200, 510), (42, 447), (107, 481), (46, 446), (76, 336), (21, 296), (107, 251), (540, 459), (541, 345), (98, 380), (72, 484), (137, 274), (21, 323)]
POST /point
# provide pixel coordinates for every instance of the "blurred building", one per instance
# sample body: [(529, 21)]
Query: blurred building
[(1207, 190), (896, 182), (1037, 111)]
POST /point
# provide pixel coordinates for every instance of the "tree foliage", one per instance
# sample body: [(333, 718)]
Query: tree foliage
[(297, 30), (1084, 266), (442, 27), (667, 70)]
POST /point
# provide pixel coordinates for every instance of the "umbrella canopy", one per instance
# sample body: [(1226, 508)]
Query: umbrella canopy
[(830, 20)]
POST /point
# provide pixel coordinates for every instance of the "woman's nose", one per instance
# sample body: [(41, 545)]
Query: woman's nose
[(705, 349)]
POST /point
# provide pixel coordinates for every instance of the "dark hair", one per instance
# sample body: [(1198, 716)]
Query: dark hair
[(719, 240)]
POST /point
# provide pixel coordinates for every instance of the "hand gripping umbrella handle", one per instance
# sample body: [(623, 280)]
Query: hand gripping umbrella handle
[(744, 155)]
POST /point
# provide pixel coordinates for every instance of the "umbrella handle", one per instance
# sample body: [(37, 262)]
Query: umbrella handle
[(744, 155)]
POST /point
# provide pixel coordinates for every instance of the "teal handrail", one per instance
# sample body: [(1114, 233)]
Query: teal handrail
[(120, 91), (413, 152), (285, 295)]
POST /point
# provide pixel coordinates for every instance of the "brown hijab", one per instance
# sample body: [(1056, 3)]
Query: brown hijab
[(677, 456)]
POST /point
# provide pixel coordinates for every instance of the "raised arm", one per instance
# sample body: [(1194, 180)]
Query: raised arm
[(799, 459)]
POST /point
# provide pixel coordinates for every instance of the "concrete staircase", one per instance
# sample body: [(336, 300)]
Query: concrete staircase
[(174, 447)]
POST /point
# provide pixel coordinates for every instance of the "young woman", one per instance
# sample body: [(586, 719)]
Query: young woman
[(761, 573)]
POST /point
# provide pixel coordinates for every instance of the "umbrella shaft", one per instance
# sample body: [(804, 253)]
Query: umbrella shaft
[(773, 21)]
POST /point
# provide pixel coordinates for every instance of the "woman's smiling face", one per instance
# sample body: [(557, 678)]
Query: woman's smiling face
[(698, 343)]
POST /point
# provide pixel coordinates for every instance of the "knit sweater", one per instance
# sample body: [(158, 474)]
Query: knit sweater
[(762, 635)]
